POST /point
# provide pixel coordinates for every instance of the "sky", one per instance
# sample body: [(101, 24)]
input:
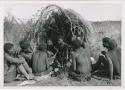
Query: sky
[(89, 11)]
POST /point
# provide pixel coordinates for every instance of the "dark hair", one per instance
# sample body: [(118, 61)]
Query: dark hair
[(7, 47), (103, 52), (24, 44), (42, 47), (112, 43), (76, 43)]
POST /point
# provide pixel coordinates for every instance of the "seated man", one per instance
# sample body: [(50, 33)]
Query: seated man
[(51, 51), (40, 63), (51, 47), (111, 59), (11, 63), (26, 51), (62, 55), (101, 67), (9, 70), (81, 64)]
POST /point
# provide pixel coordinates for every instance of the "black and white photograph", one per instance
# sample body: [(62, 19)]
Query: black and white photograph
[(61, 43)]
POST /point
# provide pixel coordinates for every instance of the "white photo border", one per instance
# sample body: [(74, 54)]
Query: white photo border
[(2, 3)]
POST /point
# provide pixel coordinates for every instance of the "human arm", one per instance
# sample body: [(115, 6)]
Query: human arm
[(27, 56), (73, 62), (98, 63), (49, 54), (46, 61), (110, 67), (12, 59)]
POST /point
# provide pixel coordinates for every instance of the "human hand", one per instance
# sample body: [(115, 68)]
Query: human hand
[(68, 64), (21, 60)]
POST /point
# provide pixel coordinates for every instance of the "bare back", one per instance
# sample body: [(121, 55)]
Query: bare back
[(39, 62), (115, 56), (82, 59)]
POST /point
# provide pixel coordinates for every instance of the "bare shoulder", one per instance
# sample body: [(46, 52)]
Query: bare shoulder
[(44, 53), (73, 54), (36, 53), (83, 52)]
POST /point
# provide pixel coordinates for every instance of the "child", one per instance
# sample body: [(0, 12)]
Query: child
[(40, 61), (19, 62)]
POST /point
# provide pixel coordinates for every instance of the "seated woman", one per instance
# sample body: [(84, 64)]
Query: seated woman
[(40, 63), (111, 60), (11, 63), (81, 64)]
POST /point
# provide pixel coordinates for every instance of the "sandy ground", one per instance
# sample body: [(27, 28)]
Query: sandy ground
[(53, 81)]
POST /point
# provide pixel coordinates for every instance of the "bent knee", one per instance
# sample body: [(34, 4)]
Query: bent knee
[(12, 67)]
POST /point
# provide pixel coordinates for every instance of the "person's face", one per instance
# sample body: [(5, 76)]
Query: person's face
[(11, 51), (28, 50), (60, 41), (105, 44), (49, 42)]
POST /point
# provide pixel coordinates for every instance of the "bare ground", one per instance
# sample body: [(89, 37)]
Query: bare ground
[(54, 81)]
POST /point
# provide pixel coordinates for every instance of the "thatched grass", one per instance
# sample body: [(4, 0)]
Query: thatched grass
[(111, 29)]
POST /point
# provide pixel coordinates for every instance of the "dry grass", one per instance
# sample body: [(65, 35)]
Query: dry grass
[(110, 29), (101, 29)]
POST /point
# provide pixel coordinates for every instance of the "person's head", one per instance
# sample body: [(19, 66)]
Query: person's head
[(60, 40), (103, 52), (49, 42), (42, 47), (8, 47), (26, 46), (109, 43), (77, 43)]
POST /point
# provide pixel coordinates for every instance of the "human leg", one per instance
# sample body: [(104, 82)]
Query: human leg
[(23, 71)]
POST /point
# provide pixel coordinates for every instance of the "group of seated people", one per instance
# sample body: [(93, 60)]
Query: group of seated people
[(44, 60)]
